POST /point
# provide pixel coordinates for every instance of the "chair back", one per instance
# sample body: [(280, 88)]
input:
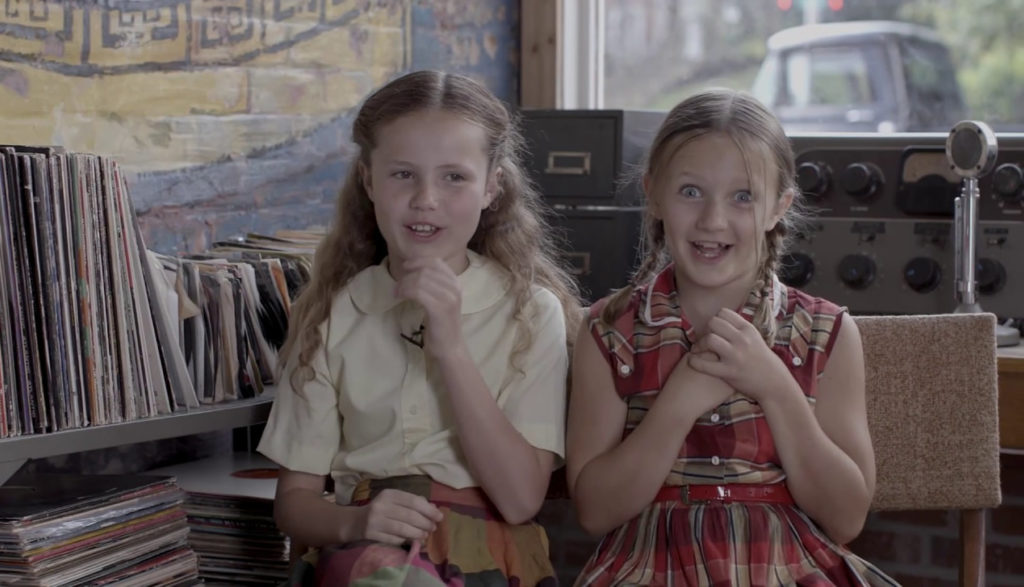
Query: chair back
[(932, 401)]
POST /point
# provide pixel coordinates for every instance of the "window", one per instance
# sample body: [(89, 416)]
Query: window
[(899, 65)]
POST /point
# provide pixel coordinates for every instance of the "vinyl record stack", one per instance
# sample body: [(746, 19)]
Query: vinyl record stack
[(586, 164), (230, 507), (67, 529)]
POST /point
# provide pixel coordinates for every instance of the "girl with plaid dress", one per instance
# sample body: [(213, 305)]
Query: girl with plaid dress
[(426, 361), (717, 427)]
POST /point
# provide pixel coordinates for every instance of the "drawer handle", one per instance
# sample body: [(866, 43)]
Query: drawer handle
[(579, 263), (568, 163)]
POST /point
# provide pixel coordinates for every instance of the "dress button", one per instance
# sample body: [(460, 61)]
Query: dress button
[(625, 369), (413, 409), (797, 361), (715, 417), (715, 460)]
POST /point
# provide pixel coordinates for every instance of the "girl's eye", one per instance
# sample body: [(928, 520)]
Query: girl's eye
[(455, 177), (401, 174), (690, 191), (744, 197)]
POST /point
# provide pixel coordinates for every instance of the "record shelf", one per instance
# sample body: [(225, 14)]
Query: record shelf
[(14, 452)]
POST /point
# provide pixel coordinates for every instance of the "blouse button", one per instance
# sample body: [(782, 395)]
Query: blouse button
[(797, 361), (715, 417), (625, 369), (715, 460)]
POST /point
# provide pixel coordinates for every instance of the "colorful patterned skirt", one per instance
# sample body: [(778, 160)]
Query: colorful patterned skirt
[(672, 543), (471, 547)]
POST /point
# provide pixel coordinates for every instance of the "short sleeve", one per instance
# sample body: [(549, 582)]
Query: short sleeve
[(303, 432), (534, 400)]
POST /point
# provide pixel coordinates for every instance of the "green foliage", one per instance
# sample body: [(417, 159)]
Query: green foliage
[(994, 87)]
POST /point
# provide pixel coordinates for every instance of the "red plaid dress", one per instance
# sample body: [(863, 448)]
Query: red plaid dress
[(671, 543)]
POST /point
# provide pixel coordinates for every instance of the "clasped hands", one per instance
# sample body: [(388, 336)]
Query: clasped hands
[(733, 351)]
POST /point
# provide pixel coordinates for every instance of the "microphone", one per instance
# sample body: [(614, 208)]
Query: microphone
[(416, 336), (971, 149)]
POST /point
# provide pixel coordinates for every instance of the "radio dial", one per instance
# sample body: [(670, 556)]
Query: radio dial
[(796, 269), (990, 275), (922, 274), (860, 180), (857, 271), (812, 179), (1007, 181)]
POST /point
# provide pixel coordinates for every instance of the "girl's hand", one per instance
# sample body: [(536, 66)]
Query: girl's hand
[(396, 517), (432, 284), (744, 360), (699, 391)]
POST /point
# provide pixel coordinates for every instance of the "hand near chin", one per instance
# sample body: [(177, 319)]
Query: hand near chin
[(396, 517), (432, 284), (734, 351)]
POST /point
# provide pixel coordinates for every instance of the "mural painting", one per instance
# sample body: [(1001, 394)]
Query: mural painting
[(231, 116)]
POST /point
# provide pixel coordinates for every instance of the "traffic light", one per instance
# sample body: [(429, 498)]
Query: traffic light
[(786, 5)]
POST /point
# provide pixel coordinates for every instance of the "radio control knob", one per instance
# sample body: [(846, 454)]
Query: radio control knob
[(860, 180), (1007, 181), (990, 275), (796, 269), (922, 274), (812, 179), (857, 271)]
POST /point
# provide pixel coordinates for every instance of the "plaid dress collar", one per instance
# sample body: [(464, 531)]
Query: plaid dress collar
[(659, 302)]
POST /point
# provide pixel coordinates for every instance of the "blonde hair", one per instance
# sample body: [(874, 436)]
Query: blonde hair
[(753, 128), (512, 230)]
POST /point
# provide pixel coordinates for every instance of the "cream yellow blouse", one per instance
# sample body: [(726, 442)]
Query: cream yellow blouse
[(377, 406)]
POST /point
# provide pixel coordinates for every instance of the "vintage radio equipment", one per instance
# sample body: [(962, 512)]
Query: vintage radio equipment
[(882, 240)]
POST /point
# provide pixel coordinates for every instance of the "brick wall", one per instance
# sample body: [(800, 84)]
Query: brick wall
[(919, 548)]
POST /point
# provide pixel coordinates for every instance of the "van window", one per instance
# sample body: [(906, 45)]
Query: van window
[(931, 84), (828, 76)]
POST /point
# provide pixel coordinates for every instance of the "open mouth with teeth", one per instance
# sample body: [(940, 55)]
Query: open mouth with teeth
[(710, 250), (423, 230)]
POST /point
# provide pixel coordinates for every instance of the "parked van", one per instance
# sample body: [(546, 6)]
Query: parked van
[(860, 76)]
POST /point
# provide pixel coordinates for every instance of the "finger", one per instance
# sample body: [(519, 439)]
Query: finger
[(395, 532), (734, 318), (707, 355), (708, 367), (723, 327), (717, 345), (424, 507), (428, 265), (414, 502)]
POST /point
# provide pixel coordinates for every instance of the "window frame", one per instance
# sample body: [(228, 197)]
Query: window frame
[(561, 54)]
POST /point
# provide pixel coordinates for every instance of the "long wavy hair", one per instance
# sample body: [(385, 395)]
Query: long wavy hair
[(513, 230), (770, 166)]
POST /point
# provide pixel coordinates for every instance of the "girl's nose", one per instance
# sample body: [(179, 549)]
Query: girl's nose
[(712, 215), (425, 197)]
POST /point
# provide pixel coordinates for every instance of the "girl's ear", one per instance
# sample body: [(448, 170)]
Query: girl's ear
[(781, 207), (652, 204), (493, 189), (365, 177)]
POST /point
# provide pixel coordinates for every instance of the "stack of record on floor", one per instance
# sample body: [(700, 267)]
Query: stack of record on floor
[(230, 507), (69, 529)]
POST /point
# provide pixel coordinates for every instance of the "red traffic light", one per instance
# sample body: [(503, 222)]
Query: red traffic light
[(835, 5), (784, 4)]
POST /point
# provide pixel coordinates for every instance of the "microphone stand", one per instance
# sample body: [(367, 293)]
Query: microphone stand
[(965, 220)]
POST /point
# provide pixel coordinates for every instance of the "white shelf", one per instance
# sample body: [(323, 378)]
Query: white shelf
[(235, 414)]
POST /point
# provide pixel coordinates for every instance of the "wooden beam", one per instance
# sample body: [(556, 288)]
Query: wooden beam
[(539, 75)]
